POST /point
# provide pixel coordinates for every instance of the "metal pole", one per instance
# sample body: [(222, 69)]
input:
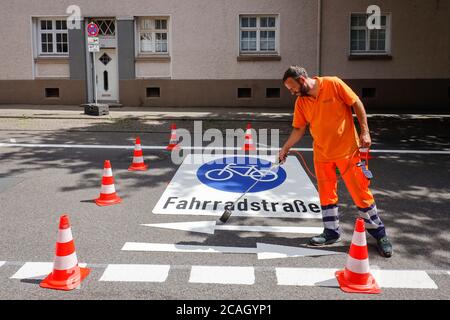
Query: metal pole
[(95, 77)]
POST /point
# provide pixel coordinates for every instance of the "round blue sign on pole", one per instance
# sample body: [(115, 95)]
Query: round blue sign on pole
[(92, 29)]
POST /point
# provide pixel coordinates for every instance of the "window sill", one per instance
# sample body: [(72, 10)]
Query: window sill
[(258, 57), (153, 57), (52, 59), (369, 56)]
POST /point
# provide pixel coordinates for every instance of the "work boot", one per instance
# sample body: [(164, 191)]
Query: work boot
[(325, 238), (384, 247)]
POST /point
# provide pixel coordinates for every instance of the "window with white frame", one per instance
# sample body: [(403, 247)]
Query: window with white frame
[(258, 34), (153, 35), (53, 37), (365, 40)]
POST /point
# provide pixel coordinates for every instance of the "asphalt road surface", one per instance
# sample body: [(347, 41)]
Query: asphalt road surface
[(40, 183)]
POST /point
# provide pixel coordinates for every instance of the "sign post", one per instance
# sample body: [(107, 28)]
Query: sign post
[(93, 46)]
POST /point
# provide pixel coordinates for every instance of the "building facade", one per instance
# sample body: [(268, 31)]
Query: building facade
[(222, 53)]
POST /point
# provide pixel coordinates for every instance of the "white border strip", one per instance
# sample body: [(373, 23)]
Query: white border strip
[(168, 247), (222, 275), (406, 279), (95, 146), (36, 270), (136, 273)]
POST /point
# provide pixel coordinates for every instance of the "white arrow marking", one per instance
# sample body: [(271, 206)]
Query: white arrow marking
[(210, 227), (198, 226), (273, 251), (264, 251), (168, 247)]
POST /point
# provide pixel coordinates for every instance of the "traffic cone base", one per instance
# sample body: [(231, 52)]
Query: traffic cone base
[(370, 286), (72, 281), (107, 202), (138, 167)]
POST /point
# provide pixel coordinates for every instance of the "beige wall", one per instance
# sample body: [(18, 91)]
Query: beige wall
[(147, 69), (50, 69), (420, 41), (204, 34)]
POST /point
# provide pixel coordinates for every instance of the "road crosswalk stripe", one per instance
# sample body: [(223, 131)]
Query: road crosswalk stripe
[(36, 270), (322, 277), (33, 270), (222, 275), (136, 273)]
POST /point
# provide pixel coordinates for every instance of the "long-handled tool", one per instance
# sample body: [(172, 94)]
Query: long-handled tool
[(227, 213)]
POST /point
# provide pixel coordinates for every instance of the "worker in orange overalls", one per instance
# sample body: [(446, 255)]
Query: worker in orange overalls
[(325, 103)]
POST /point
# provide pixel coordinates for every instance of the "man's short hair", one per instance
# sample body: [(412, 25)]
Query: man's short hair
[(295, 72)]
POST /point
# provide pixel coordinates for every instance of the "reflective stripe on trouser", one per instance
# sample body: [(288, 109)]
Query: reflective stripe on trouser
[(357, 185), (330, 218), (373, 223)]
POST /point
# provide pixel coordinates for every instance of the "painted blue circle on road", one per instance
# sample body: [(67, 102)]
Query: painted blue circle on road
[(237, 174)]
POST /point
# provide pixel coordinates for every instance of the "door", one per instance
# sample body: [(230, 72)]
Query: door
[(107, 75)]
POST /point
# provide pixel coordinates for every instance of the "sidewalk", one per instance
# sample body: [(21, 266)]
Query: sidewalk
[(154, 113), (194, 113)]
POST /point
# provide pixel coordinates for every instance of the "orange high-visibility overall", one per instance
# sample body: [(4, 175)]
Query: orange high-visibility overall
[(335, 145)]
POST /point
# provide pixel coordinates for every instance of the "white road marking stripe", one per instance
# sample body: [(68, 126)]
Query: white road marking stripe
[(275, 229), (87, 146), (273, 251), (168, 247), (64, 235), (210, 226), (36, 270), (408, 279), (306, 277), (136, 273), (412, 279), (222, 275)]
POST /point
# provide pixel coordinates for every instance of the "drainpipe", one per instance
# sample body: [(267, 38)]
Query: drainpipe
[(319, 36)]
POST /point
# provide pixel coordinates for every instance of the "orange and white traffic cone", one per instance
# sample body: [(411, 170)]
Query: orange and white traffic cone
[(356, 277), (108, 194), (173, 138), (66, 275), (248, 146), (138, 158)]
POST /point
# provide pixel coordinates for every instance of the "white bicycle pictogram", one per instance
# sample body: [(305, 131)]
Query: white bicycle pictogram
[(230, 170)]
